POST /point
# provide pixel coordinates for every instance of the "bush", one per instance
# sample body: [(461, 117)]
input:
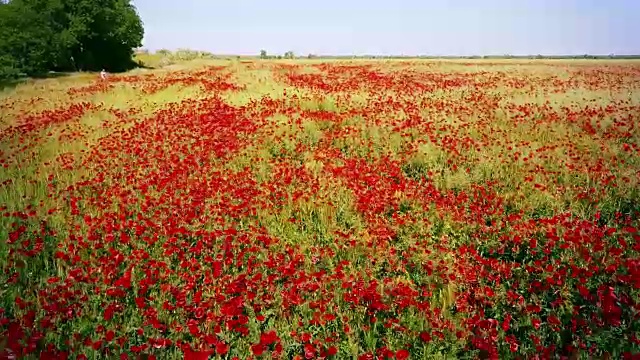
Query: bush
[(8, 68)]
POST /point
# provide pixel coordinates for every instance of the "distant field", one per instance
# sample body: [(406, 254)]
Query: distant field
[(323, 209)]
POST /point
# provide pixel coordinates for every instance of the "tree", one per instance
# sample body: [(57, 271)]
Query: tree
[(289, 55), (43, 35), (263, 54), (105, 32), (28, 42)]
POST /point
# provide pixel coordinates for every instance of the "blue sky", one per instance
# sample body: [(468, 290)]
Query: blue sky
[(409, 27)]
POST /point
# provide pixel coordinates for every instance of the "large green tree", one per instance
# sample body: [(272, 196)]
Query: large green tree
[(27, 43), (43, 35)]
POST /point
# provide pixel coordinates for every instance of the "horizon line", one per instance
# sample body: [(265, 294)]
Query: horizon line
[(257, 54)]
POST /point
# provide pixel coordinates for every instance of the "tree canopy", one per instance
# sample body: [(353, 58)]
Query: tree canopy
[(67, 35)]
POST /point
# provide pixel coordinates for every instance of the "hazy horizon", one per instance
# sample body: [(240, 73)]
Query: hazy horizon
[(401, 27)]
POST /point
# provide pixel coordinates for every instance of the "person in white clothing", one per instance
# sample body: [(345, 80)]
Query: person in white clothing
[(103, 75)]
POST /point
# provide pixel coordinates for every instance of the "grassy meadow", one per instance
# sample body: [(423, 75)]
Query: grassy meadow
[(309, 209)]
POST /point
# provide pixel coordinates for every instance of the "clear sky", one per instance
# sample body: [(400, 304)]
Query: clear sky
[(409, 27)]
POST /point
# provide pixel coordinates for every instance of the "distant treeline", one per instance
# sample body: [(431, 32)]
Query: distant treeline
[(542, 57), (494, 57), (290, 55)]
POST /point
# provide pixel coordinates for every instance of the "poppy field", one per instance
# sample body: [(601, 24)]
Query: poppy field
[(323, 210)]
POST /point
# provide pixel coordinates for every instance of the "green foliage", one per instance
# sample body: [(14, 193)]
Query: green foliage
[(66, 35), (8, 68), (186, 55), (26, 44), (164, 57), (289, 55), (263, 54)]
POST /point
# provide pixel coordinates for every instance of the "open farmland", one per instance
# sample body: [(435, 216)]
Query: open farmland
[(336, 209)]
